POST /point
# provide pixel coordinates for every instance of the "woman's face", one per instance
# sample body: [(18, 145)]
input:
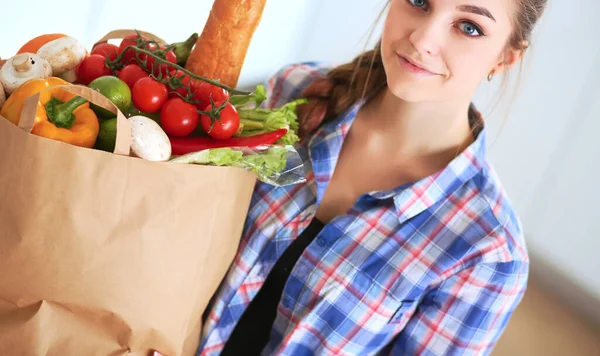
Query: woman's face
[(436, 50)]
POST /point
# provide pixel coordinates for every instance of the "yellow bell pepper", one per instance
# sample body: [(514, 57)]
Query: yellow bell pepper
[(60, 115)]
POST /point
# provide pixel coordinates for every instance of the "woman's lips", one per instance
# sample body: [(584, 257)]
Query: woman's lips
[(412, 67)]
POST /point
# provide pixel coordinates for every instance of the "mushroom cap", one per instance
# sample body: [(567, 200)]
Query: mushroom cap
[(148, 140), (63, 54), (21, 68)]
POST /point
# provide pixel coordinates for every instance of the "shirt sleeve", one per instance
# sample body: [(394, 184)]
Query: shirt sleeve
[(289, 82), (467, 313)]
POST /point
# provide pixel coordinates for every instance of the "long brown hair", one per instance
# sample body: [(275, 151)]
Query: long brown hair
[(344, 85)]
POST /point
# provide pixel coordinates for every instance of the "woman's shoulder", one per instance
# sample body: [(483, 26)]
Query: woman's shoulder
[(289, 81)]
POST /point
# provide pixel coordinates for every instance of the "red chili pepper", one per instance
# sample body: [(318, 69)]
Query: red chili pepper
[(184, 145)]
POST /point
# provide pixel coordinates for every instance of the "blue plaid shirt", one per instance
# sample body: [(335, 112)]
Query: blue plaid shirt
[(435, 267)]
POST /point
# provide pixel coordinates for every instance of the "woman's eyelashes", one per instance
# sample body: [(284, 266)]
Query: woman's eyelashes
[(467, 28), (420, 4), (470, 29)]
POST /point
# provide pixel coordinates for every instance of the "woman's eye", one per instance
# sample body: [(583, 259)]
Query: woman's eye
[(470, 29), (423, 4)]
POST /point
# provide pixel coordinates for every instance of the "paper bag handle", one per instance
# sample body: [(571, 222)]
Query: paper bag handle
[(123, 139), (116, 34)]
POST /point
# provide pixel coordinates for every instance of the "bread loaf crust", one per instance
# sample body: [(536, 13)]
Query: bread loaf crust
[(221, 49)]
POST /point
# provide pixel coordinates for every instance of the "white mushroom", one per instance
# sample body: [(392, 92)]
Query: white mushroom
[(2, 95), (148, 140), (21, 68), (64, 55)]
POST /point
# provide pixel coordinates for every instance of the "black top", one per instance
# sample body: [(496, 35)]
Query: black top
[(253, 331)]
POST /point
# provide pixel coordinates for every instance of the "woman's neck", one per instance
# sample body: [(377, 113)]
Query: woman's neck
[(417, 129)]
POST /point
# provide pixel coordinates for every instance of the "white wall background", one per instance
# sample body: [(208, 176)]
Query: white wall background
[(548, 153)]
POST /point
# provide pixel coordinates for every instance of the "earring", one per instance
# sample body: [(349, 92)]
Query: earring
[(490, 76)]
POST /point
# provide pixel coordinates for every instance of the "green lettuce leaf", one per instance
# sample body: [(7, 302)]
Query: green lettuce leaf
[(266, 164), (215, 156)]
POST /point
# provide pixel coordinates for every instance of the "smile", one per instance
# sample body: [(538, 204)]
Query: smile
[(414, 67)]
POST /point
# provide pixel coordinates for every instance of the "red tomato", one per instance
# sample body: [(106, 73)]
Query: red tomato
[(203, 91), (224, 128), (185, 80), (91, 68), (178, 118), (131, 55), (131, 74), (106, 50), (148, 95), (164, 68)]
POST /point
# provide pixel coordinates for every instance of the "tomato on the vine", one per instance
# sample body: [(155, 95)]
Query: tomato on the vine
[(162, 68), (203, 91), (180, 92), (148, 95), (106, 50), (130, 56), (131, 74), (91, 68), (224, 127), (178, 118)]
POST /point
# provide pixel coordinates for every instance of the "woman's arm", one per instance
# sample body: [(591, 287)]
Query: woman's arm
[(467, 313)]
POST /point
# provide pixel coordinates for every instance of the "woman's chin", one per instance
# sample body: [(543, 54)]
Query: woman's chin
[(411, 92)]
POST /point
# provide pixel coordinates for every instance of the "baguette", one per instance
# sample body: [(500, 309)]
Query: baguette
[(221, 49)]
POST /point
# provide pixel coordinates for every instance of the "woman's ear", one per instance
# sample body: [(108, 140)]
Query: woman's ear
[(511, 57)]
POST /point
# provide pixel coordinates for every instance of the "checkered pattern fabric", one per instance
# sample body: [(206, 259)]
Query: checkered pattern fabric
[(435, 267)]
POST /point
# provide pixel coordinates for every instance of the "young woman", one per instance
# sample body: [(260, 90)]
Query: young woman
[(402, 240)]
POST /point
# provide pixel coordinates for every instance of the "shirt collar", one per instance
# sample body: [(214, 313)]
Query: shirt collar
[(419, 196), (410, 199)]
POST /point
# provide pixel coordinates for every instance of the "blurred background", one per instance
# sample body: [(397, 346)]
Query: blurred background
[(543, 138)]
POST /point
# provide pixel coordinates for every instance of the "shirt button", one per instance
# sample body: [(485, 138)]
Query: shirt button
[(288, 302), (322, 242)]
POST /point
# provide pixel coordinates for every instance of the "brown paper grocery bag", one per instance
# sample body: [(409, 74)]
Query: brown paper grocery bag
[(106, 254), (120, 34)]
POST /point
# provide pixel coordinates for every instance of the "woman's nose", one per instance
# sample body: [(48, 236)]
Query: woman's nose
[(428, 38)]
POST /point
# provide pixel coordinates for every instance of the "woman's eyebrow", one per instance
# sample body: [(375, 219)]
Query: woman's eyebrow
[(476, 10)]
